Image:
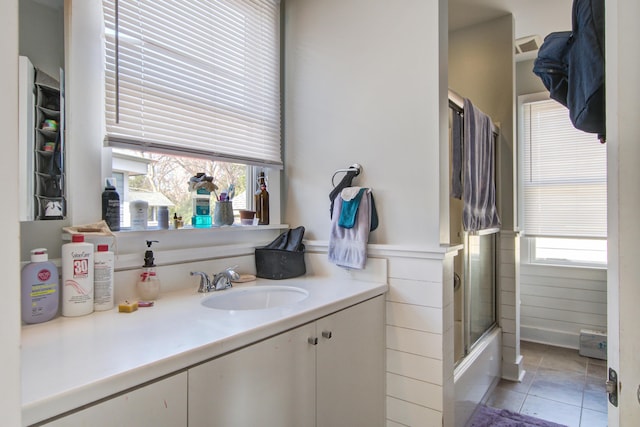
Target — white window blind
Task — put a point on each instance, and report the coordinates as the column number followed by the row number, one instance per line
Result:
column 194, row 78
column 564, row 175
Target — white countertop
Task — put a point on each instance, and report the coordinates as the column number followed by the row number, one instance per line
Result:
column 69, row 362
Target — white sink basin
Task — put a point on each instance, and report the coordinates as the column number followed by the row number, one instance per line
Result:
column 254, row 298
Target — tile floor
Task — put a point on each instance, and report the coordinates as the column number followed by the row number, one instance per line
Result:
column 559, row 386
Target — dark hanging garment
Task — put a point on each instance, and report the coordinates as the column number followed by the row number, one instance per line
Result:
column 551, row 64
column 586, row 100
column 571, row 66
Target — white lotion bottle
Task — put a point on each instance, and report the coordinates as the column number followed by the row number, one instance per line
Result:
column 103, row 263
column 77, row 277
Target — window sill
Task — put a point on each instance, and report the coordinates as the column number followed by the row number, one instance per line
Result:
column 568, row 266
column 213, row 229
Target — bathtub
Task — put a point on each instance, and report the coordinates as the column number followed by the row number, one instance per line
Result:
column 476, row 375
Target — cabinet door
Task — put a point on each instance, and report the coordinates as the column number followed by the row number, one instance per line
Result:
column 350, row 366
column 160, row 404
column 268, row 384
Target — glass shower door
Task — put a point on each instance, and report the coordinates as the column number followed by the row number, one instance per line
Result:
column 480, row 285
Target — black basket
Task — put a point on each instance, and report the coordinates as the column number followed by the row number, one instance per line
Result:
column 279, row 264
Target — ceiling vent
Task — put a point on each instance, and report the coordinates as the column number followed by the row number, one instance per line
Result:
column 528, row 44
column 527, row 47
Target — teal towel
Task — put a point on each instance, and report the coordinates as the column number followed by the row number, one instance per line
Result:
column 349, row 210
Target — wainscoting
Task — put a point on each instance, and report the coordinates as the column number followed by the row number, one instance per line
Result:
column 557, row 302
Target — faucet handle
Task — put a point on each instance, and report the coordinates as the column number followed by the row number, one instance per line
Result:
column 231, row 273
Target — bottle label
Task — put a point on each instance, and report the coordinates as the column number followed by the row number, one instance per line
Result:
column 80, row 268
column 42, row 289
column 102, row 282
column 201, row 207
column 40, row 294
column 147, row 275
column 44, row 275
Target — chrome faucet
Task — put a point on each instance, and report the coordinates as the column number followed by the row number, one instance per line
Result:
column 205, row 283
column 220, row 281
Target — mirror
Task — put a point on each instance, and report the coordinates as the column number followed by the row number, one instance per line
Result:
column 41, row 43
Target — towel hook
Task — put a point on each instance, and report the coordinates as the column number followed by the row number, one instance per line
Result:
column 357, row 168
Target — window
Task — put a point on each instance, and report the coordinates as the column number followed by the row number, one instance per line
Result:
column 191, row 87
column 197, row 78
column 563, row 186
column 162, row 180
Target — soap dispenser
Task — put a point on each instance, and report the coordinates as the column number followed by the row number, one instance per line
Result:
column 148, row 284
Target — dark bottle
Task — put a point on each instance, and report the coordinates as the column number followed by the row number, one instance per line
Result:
column 111, row 205
column 261, row 199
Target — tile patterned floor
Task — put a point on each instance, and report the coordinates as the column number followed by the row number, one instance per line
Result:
column 559, row 386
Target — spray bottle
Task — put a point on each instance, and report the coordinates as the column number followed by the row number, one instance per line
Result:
column 148, row 284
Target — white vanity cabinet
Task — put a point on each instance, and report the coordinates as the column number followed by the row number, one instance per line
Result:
column 350, row 366
column 268, row 384
column 328, row 373
column 159, row 404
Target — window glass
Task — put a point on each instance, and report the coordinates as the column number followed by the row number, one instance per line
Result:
column 574, row 251
column 162, row 180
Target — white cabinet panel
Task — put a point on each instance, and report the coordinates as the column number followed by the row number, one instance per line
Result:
column 350, row 366
column 160, row 404
column 286, row 381
column 268, row 384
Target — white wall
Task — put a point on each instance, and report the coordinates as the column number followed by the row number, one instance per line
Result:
column 364, row 87
column 42, row 35
column 365, row 82
column 85, row 110
column 9, row 259
column 526, row 81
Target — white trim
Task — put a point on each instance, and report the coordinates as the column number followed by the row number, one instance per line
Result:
column 400, row 251
column 550, row 337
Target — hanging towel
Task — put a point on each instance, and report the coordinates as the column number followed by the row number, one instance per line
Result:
column 479, row 189
column 350, row 202
column 348, row 246
column 350, row 192
column 456, row 155
column 344, row 183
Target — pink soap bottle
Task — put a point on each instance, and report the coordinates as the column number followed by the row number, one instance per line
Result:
column 40, row 288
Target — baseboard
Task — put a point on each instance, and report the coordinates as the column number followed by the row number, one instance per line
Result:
column 550, row 337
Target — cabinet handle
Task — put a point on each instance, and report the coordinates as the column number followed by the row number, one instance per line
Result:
column 312, row 340
column 326, row 334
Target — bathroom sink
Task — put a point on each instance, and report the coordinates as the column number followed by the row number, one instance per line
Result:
column 254, row 298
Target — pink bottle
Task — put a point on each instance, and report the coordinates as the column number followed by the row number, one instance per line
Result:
column 40, row 288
